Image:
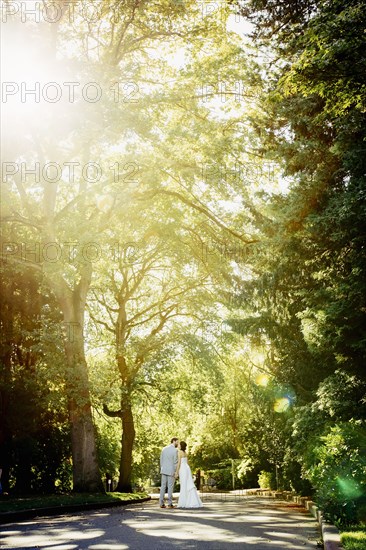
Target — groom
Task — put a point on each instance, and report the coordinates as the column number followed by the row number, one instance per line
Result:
column 168, row 464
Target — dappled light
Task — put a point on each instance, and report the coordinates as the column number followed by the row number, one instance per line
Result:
column 60, row 535
column 221, row 525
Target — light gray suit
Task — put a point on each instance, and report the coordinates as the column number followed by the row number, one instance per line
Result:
column 168, row 464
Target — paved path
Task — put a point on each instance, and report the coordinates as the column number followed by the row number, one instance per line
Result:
column 250, row 523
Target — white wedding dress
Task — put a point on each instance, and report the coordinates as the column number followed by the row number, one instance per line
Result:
column 188, row 496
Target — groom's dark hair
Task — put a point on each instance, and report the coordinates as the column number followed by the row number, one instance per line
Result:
column 174, row 439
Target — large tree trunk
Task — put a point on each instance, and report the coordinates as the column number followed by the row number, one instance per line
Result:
column 128, row 438
column 86, row 475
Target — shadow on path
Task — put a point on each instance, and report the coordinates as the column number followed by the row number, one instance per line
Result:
column 254, row 523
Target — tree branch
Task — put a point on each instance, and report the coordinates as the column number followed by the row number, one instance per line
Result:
column 112, row 414
column 203, row 210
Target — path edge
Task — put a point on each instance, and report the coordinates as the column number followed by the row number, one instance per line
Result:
column 330, row 534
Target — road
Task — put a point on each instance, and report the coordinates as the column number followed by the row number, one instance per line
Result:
column 250, row 523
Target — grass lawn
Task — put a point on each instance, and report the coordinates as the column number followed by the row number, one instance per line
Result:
column 12, row 504
column 354, row 538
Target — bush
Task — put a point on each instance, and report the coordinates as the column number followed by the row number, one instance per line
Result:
column 41, row 463
column 293, row 479
column 267, row 480
column 339, row 474
column 223, row 478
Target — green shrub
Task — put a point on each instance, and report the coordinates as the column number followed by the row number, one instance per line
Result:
column 267, row 480
column 339, row 473
column 223, row 478
column 293, row 479
column 354, row 539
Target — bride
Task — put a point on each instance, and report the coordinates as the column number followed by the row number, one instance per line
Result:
column 188, row 496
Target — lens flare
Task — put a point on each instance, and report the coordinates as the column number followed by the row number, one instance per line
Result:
column 262, row 380
column 282, row 404
column 349, row 487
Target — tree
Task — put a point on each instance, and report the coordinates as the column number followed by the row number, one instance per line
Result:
column 69, row 206
column 63, row 209
column 34, row 435
column 319, row 131
column 158, row 286
column 309, row 297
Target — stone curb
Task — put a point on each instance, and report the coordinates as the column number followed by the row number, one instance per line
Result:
column 330, row 534
column 10, row 517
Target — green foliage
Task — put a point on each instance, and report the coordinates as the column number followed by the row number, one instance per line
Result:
column 34, row 436
column 223, row 478
column 292, row 476
column 354, row 539
column 109, row 446
column 267, row 480
column 311, row 303
column 339, row 472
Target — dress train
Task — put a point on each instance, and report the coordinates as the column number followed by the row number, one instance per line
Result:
column 188, row 496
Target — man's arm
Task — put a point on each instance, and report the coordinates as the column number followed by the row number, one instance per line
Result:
column 177, row 462
column 161, row 457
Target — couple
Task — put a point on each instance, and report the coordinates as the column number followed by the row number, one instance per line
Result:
column 174, row 463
